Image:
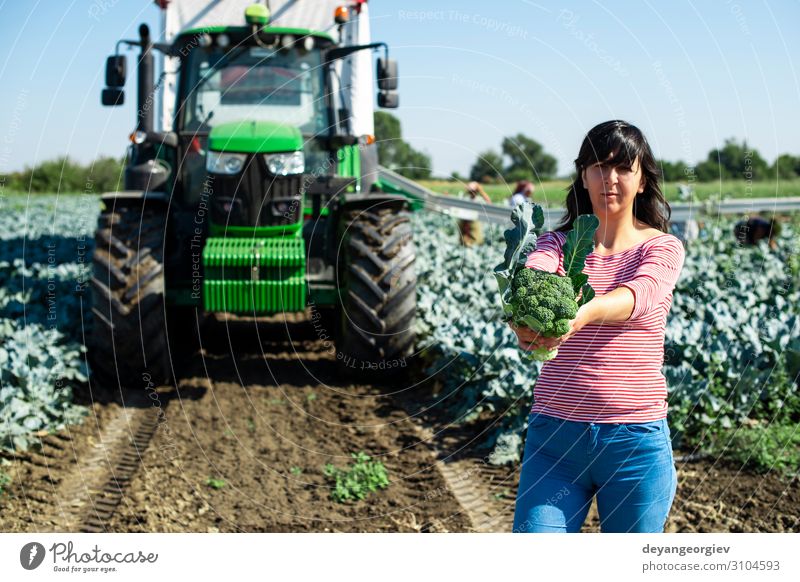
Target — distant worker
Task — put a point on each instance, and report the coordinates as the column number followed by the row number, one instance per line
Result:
column 474, row 189
column 523, row 192
column 470, row 230
column 749, row 232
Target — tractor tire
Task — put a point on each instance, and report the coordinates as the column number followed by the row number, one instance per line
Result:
column 377, row 283
column 128, row 346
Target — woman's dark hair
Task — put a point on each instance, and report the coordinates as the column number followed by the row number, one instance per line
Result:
column 624, row 143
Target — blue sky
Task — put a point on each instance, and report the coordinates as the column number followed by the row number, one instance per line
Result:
column 689, row 74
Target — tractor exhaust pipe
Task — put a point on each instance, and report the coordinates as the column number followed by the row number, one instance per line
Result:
column 144, row 172
column 145, row 115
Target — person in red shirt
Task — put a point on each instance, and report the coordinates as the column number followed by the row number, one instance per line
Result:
column 598, row 423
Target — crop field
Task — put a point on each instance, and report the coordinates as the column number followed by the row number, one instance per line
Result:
column 259, row 434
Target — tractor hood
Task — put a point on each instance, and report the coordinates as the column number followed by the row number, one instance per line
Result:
column 255, row 137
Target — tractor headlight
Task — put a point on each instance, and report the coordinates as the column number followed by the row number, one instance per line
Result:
column 224, row 163
column 286, row 164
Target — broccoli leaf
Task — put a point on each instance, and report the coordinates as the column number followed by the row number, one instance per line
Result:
column 520, row 242
column 578, row 282
column 533, row 323
column 579, row 243
column 587, row 295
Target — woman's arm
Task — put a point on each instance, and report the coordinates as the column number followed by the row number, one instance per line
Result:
column 654, row 279
column 616, row 305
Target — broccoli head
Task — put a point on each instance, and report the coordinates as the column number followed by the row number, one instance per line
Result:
column 543, row 301
column 524, row 279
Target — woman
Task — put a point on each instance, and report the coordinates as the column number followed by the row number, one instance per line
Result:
column 598, row 423
column 522, row 193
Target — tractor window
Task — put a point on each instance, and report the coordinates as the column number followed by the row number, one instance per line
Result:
column 257, row 84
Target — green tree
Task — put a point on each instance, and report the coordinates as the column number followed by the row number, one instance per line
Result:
column 396, row 154
column 487, row 168
column 528, row 160
column 58, row 175
column 66, row 175
column 105, row 174
column 387, row 133
column 673, row 171
column 785, row 167
column 708, row 171
column 733, row 161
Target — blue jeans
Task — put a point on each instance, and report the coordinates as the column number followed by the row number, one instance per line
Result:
column 628, row 466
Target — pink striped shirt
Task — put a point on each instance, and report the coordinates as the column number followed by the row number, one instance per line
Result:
column 611, row 372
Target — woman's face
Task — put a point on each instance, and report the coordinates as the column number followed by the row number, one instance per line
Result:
column 613, row 188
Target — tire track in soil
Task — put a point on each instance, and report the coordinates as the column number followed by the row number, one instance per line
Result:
column 262, row 423
column 72, row 478
column 110, row 468
column 76, row 479
column 89, row 493
column 486, row 492
column 713, row 495
column 472, row 484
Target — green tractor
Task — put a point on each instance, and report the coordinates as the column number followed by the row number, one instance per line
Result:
column 258, row 200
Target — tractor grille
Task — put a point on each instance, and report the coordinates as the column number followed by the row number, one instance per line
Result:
column 256, row 197
column 256, row 276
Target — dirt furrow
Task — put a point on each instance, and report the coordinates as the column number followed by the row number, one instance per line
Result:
column 241, row 442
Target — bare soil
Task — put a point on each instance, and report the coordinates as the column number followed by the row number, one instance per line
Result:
column 259, row 411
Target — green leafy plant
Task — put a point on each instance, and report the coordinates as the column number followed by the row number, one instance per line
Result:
column 5, row 480
column 363, row 477
column 504, row 494
column 761, row 447
column 295, row 470
column 215, row 483
column 544, row 302
column 44, row 245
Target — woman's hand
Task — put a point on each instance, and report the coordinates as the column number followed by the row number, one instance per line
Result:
column 530, row 340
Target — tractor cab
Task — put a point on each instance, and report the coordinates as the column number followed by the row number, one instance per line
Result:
column 257, row 106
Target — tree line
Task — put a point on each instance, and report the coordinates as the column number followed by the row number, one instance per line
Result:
column 105, row 174
column 520, row 158
column 67, row 175
column 733, row 161
column 523, row 158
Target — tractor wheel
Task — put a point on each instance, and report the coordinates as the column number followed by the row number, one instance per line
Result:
column 377, row 283
column 129, row 341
